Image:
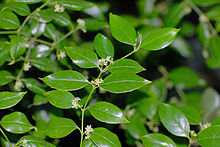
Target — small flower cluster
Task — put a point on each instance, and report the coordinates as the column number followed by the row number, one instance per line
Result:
column 75, row 103
column 105, row 62
column 61, row 55
column 58, row 8
column 18, row 85
column 88, row 129
column 81, row 25
column 27, row 66
column 206, row 125
column 96, row 82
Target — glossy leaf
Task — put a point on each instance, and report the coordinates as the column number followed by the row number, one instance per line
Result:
column 88, row 143
column 181, row 81
column 216, row 121
column 145, row 6
column 160, row 89
column 19, row 8
column 10, row 99
column 82, row 57
column 4, row 54
column 62, row 19
column 66, row 80
column 39, row 100
column 203, row 34
column 159, row 39
column 34, row 86
column 40, row 50
column 46, row 15
column 191, row 114
column 50, row 31
column 60, row 99
column 17, row 46
column 107, row 112
column 136, row 128
column 16, row 122
column 176, row 13
column 99, row 137
column 174, row 120
column 45, row 64
column 148, row 107
column 27, row 1
column 103, row 46
column 74, row 5
column 123, row 82
column 60, row 127
column 125, row 65
column 34, row 141
column 157, row 140
column 122, row 30
column 5, row 77
column 209, row 137
column 8, row 20
column 37, row 28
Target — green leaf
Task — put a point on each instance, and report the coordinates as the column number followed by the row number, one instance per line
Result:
column 157, row 140
column 108, row 113
column 45, row 64
column 209, row 137
column 209, row 101
column 40, row 50
column 176, row 13
column 159, row 39
column 27, row 1
column 174, row 120
column 60, row 99
column 60, row 127
column 6, row 77
column 39, row 100
column 206, row 2
column 216, row 121
column 34, row 86
column 136, row 128
column 8, row 20
column 145, row 7
column 4, row 54
column 93, row 24
column 50, row 31
column 103, row 137
column 148, row 107
column 46, row 15
column 37, row 28
column 10, row 99
column 75, row 5
column 181, row 46
column 103, row 46
column 62, row 19
column 33, row 141
column 180, row 80
column 19, row 8
column 82, row 57
column 66, row 80
column 203, row 34
column 125, row 65
column 88, row 143
column 214, row 60
column 17, row 46
column 122, row 30
column 16, row 122
column 214, row 13
column 191, row 114
column 159, row 88
column 122, row 82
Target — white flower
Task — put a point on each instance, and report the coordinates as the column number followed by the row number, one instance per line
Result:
column 81, row 24
column 58, row 8
column 27, row 66
column 206, row 125
column 75, row 103
column 97, row 82
column 61, row 55
column 88, row 129
column 18, row 85
column 105, row 62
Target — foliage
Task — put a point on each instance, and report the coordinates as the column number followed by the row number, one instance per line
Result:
column 54, row 82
